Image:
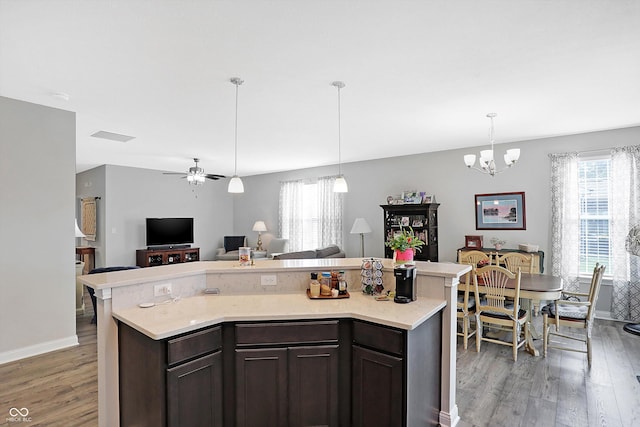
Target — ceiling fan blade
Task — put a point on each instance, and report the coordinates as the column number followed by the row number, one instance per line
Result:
column 173, row 173
column 214, row 176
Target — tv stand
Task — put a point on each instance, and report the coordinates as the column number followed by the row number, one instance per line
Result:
column 168, row 255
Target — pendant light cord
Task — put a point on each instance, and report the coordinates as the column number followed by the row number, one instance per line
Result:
column 339, row 85
column 235, row 166
column 339, row 136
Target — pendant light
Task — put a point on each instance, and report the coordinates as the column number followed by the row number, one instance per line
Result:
column 235, row 185
column 487, row 162
column 340, row 184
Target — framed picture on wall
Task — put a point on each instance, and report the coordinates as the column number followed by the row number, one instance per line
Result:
column 500, row 211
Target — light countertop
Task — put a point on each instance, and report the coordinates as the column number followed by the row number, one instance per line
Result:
column 164, row 272
column 173, row 318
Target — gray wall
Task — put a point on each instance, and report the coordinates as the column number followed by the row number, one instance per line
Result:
column 129, row 195
column 442, row 174
column 37, row 252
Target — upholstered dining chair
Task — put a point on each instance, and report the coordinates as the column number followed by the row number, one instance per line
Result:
column 513, row 261
column 495, row 309
column 466, row 307
column 574, row 310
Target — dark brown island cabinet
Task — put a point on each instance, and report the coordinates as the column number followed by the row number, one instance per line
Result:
column 332, row 372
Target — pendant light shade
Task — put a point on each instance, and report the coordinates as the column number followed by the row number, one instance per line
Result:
column 236, row 185
column 340, row 184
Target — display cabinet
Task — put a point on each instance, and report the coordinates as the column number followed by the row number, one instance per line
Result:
column 422, row 218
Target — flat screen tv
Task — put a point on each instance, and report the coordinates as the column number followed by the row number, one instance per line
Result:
column 169, row 231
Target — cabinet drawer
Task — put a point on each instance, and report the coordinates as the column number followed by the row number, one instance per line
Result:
column 379, row 337
column 192, row 345
column 286, row 333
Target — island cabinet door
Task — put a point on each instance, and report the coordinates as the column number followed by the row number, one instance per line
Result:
column 377, row 388
column 313, row 386
column 194, row 393
column 261, row 387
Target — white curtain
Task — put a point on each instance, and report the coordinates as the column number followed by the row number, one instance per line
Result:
column 565, row 219
column 291, row 213
column 625, row 212
column 330, row 215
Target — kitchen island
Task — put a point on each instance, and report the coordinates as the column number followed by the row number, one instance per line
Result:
column 271, row 295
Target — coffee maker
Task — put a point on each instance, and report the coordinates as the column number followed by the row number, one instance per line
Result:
column 405, row 284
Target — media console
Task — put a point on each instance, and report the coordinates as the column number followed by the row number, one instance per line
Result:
column 153, row 257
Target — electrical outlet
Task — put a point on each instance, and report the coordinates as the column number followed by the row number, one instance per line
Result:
column 268, row 280
column 162, row 289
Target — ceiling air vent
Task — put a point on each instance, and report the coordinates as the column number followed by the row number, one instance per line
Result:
column 112, row 136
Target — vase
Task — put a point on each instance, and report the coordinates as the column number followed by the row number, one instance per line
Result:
column 404, row 257
column 498, row 246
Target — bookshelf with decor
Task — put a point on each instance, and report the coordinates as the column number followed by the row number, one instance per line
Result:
column 422, row 218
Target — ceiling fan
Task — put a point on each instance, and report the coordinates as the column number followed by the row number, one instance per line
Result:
column 195, row 175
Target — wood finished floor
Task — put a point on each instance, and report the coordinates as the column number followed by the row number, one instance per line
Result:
column 559, row 390
column 61, row 388
column 58, row 388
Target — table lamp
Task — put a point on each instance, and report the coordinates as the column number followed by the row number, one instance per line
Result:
column 360, row 226
column 79, row 233
column 259, row 226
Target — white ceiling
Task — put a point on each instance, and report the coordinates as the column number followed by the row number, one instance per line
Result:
column 420, row 75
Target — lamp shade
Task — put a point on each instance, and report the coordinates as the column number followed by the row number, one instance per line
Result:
column 360, row 225
column 235, row 185
column 259, row 226
column 340, row 185
column 79, row 233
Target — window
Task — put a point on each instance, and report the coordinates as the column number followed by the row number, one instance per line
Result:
column 310, row 214
column 310, row 217
column 594, row 184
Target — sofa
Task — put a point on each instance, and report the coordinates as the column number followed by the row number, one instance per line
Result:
column 230, row 251
column 331, row 251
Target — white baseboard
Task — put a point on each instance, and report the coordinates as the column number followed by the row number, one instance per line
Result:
column 606, row 315
column 36, row 349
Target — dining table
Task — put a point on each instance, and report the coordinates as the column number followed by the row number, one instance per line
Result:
column 533, row 289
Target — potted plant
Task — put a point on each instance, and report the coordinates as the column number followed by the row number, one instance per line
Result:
column 497, row 243
column 404, row 245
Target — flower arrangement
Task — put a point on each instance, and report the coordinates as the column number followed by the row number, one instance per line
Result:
column 496, row 241
column 404, row 240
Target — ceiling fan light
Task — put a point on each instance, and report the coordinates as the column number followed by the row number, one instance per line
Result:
column 340, row 185
column 235, row 185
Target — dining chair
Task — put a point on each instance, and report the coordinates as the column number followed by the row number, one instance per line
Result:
column 514, row 260
column 474, row 257
column 574, row 310
column 466, row 307
column 495, row 309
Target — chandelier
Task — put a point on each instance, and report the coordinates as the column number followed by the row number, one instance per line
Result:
column 487, row 161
